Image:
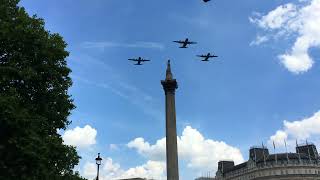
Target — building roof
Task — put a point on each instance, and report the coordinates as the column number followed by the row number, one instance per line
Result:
column 285, row 156
column 272, row 158
column 239, row 166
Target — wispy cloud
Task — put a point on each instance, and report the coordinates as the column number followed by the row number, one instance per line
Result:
column 118, row 85
column 133, row 95
column 200, row 21
column 100, row 85
column 259, row 40
column 110, row 44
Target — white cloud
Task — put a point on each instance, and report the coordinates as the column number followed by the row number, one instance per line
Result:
column 80, row 137
column 198, row 152
column 154, row 152
column 277, row 18
column 110, row 167
column 112, row 171
column 202, row 153
column 278, row 138
column 301, row 20
column 109, row 44
column 90, row 170
column 150, row 170
column 307, row 128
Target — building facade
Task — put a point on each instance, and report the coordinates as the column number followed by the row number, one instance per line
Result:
column 302, row 165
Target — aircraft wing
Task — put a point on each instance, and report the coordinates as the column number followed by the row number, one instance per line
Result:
column 202, row 56
column 144, row 60
column 191, row 43
column 133, row 59
column 213, row 56
column 179, row 42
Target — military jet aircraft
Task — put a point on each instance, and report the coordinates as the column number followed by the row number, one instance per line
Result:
column 206, row 1
column 206, row 57
column 139, row 60
column 185, row 43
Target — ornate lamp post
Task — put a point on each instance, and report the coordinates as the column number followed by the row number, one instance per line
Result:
column 98, row 162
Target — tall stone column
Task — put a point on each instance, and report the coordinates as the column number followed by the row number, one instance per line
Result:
column 170, row 85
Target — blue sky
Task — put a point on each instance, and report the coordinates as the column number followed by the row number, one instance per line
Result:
column 240, row 98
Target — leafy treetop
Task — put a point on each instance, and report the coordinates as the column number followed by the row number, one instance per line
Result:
column 34, row 99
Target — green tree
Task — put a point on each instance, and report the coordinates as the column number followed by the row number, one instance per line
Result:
column 34, row 99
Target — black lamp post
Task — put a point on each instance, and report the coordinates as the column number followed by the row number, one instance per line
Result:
column 98, row 162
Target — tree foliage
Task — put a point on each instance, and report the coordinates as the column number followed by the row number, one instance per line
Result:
column 34, row 99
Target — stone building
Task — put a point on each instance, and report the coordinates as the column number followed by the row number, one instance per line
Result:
column 302, row 165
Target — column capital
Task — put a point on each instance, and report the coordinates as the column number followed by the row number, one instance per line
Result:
column 169, row 86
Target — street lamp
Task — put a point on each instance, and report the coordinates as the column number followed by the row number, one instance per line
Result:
column 98, row 162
